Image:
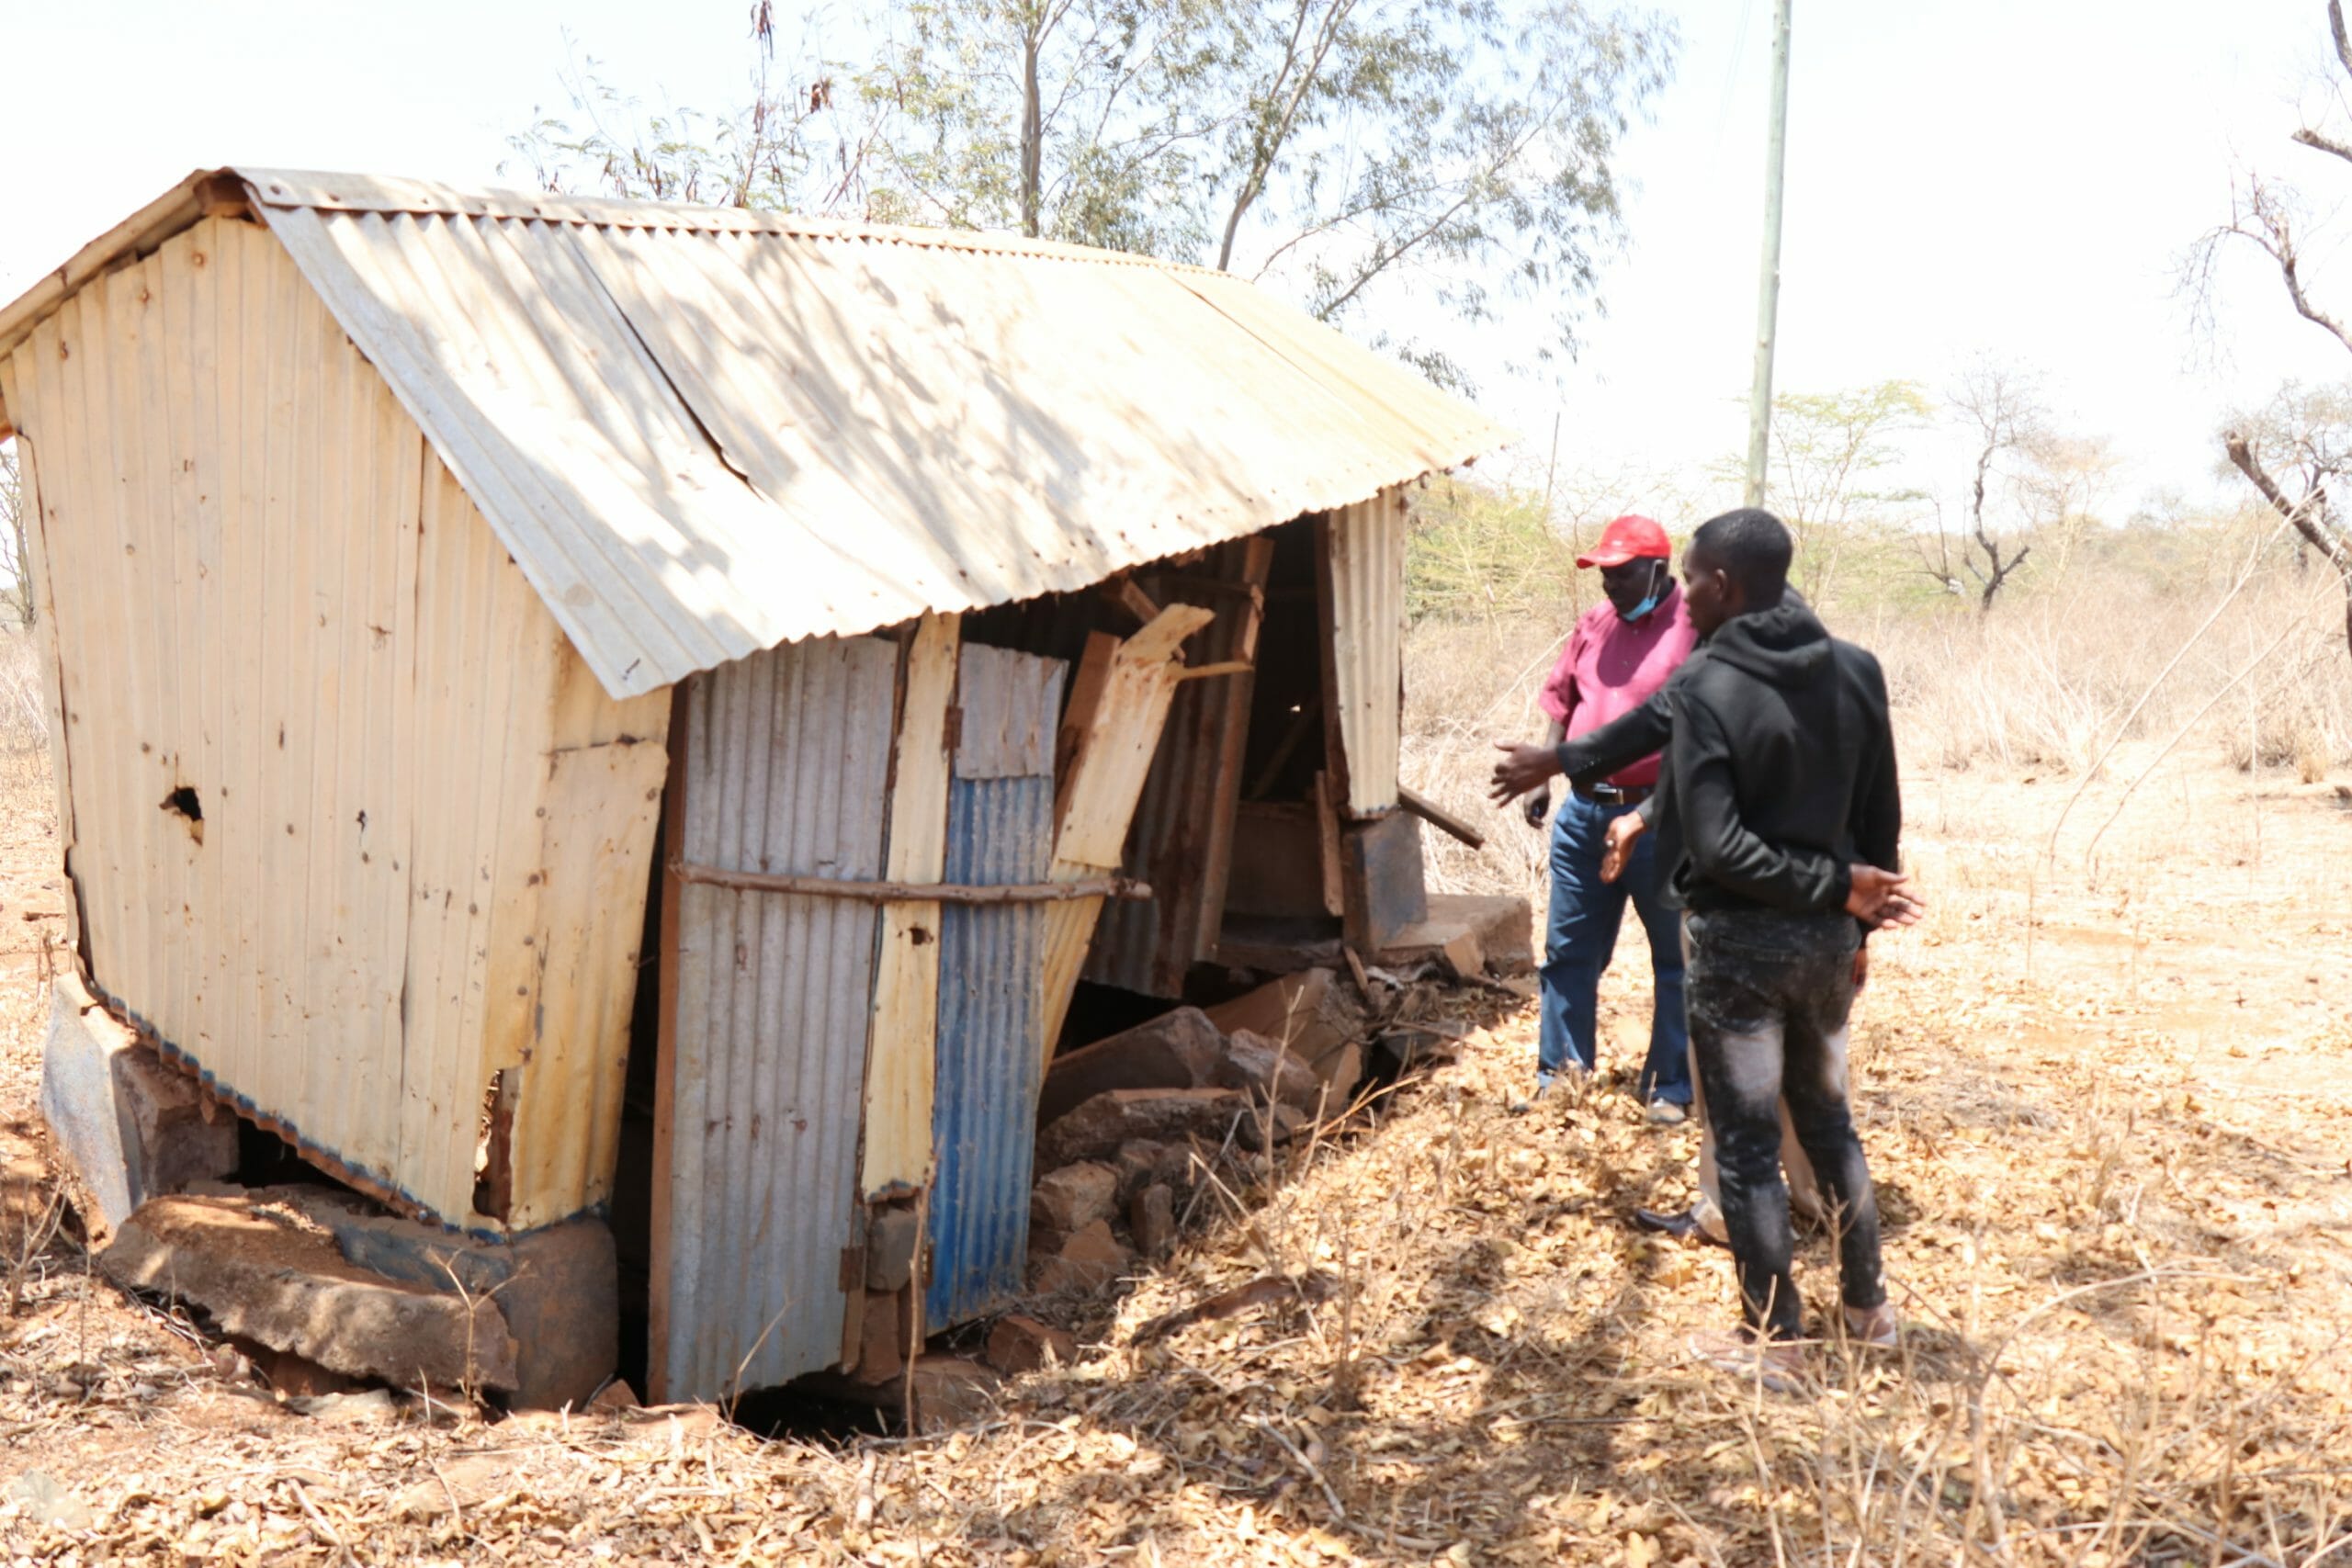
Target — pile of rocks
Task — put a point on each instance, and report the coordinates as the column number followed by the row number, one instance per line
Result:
column 1127, row 1124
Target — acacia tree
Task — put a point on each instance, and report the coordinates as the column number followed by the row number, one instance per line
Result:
column 2294, row 454
column 1997, row 408
column 1826, row 448
column 1326, row 146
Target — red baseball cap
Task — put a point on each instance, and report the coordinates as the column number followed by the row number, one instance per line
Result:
column 1631, row 537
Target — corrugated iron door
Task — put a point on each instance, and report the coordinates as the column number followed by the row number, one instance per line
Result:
column 783, row 770
column 992, row 984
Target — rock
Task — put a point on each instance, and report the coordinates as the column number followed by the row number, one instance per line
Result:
column 1465, row 955
column 1503, row 927
column 466, row 1482
column 1310, row 1012
column 1342, row 1071
column 1073, row 1197
column 558, row 1288
column 1139, row 1161
column 48, row 1502
column 890, row 1238
column 366, row 1409
column 268, row 1278
column 1273, row 1124
column 127, row 1127
column 1021, row 1344
column 951, row 1392
column 882, row 1346
column 1151, row 1219
column 1268, row 1071
column 1398, row 1051
column 615, row 1395
column 1099, row 1126
column 1177, row 1050
column 1087, row 1261
column 292, row 1375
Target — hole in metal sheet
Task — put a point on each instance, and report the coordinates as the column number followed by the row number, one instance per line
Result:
column 494, row 1148
column 183, row 802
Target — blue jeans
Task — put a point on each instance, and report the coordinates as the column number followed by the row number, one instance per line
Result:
column 1582, row 933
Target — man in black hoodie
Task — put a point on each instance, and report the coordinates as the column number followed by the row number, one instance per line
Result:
column 1779, row 812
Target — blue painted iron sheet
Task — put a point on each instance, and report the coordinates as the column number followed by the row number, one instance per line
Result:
column 991, row 991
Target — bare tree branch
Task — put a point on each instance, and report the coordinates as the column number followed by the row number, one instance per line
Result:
column 2306, row 516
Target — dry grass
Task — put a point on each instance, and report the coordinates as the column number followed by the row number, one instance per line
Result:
column 2104, row 1097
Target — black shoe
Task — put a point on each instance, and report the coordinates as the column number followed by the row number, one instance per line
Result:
column 1682, row 1226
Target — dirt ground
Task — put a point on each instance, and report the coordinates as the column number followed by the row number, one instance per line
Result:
column 2106, row 1096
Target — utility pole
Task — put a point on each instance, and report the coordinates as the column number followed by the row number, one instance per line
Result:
column 1767, row 293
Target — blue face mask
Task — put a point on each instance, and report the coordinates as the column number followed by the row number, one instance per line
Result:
column 1657, row 591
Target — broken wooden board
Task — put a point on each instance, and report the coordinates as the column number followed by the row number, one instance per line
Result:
column 900, row 1043
column 1110, row 759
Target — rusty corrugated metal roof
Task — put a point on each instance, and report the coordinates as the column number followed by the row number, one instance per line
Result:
column 703, row 432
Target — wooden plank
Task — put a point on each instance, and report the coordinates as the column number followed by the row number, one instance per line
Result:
column 1078, row 713
column 1111, row 758
column 1231, row 749
column 1438, row 817
column 901, row 1044
column 1327, row 829
column 1381, row 880
column 1223, row 666
column 667, row 978
column 1122, row 592
column 911, row 892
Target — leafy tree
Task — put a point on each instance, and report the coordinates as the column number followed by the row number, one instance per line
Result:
column 1327, row 147
column 1826, row 448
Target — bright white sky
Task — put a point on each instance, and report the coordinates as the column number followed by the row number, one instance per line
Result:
column 2018, row 177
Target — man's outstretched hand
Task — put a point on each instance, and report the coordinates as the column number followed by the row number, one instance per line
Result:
column 1624, row 832
column 1878, row 898
column 1525, row 766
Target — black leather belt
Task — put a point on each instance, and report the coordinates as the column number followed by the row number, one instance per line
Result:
column 1612, row 795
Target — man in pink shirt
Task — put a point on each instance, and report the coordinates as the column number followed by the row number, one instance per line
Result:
column 1620, row 653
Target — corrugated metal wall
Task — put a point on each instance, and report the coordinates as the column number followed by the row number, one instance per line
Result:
column 786, row 769
column 274, row 608
column 991, row 985
column 1367, row 597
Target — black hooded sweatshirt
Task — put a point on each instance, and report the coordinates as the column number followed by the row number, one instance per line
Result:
column 1782, row 770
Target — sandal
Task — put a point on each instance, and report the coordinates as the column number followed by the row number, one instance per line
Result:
column 1873, row 1328
column 1779, row 1367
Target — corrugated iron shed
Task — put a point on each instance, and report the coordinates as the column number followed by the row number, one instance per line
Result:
column 704, row 432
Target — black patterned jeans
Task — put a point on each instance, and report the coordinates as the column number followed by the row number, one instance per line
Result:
column 1769, row 995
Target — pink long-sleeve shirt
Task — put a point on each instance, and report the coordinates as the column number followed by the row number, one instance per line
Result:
column 1610, row 667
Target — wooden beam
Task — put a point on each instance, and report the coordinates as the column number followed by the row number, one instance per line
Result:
column 915, row 892
column 1226, row 667
column 902, row 1027
column 1124, row 592
column 1110, row 759
column 1438, row 817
